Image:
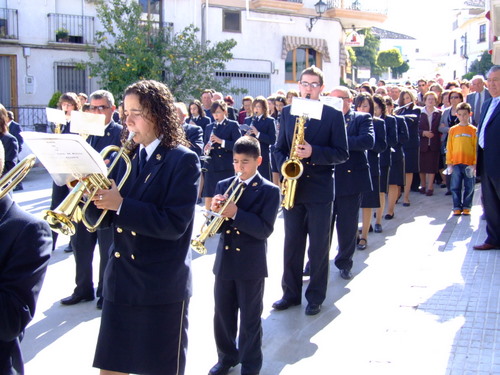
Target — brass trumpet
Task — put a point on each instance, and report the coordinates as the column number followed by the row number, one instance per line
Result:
column 61, row 218
column 16, row 175
column 215, row 220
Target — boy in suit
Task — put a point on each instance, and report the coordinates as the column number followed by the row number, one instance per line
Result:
column 240, row 265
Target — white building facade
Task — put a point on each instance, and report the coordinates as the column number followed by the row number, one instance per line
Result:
column 43, row 41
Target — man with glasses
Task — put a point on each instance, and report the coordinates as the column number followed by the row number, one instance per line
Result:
column 477, row 97
column 422, row 88
column 325, row 145
column 488, row 160
column 101, row 102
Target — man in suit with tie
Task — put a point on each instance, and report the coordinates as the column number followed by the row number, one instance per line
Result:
column 101, row 102
column 325, row 145
column 25, row 249
column 477, row 98
column 240, row 266
column 352, row 178
column 488, row 160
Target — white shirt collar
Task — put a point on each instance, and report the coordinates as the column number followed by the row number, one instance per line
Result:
column 248, row 180
column 150, row 148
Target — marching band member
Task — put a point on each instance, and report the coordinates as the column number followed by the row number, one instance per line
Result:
column 262, row 127
column 325, row 145
column 219, row 140
column 24, row 257
column 147, row 282
column 240, row 264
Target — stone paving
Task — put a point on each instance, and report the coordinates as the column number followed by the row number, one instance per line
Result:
column 421, row 302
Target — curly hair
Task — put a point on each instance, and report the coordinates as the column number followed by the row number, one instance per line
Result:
column 4, row 120
column 158, row 107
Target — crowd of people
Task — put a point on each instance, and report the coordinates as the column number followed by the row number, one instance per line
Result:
column 363, row 156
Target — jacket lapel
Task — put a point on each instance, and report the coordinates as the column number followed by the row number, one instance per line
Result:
column 251, row 191
column 147, row 175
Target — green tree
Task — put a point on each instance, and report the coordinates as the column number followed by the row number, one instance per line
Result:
column 390, row 58
column 131, row 48
column 480, row 66
column 400, row 70
column 367, row 55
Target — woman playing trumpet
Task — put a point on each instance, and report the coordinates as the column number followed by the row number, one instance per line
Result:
column 148, row 276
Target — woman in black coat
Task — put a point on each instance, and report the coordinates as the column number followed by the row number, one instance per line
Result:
column 411, row 112
column 147, row 282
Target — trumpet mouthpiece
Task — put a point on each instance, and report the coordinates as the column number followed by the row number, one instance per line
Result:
column 130, row 136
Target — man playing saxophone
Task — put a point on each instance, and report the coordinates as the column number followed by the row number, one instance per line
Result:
column 325, row 144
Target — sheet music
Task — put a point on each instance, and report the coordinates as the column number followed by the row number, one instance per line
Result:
column 87, row 123
column 55, row 115
column 332, row 101
column 66, row 157
column 306, row 107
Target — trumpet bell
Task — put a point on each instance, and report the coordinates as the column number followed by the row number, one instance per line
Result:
column 60, row 223
column 198, row 246
column 16, row 175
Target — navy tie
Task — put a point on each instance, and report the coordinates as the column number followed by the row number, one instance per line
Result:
column 142, row 159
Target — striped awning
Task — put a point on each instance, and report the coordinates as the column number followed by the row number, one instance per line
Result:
column 292, row 42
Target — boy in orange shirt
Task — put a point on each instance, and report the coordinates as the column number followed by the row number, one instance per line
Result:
column 461, row 160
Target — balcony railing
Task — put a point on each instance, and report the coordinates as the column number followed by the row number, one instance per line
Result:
column 67, row 28
column 356, row 5
column 8, row 24
column 167, row 28
column 31, row 118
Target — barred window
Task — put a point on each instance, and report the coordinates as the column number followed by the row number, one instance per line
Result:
column 70, row 78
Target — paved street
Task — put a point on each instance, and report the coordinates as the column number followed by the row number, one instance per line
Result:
column 421, row 302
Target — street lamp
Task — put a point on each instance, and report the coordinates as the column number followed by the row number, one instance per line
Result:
column 320, row 8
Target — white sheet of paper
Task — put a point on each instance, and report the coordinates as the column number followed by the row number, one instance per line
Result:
column 307, row 107
column 55, row 115
column 66, row 157
column 87, row 123
column 332, row 101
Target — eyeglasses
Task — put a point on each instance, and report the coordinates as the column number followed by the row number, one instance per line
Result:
column 98, row 107
column 314, row 85
column 454, row 97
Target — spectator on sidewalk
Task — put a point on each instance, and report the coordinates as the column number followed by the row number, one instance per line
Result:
column 461, row 160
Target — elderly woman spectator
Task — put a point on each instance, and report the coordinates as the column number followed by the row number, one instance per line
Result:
column 430, row 143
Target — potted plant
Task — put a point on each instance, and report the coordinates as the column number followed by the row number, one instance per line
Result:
column 62, row 35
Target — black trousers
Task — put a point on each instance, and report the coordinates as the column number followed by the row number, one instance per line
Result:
column 346, row 217
column 490, row 188
column 245, row 296
column 313, row 220
column 83, row 247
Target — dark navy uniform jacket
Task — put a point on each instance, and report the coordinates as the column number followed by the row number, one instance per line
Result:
column 222, row 157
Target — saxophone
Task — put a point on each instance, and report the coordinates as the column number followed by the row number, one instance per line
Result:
column 293, row 168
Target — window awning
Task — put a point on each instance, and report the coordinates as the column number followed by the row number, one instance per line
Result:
column 292, row 42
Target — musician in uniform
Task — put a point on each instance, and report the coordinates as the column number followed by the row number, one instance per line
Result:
column 147, row 282
column 262, row 127
column 24, row 257
column 240, row 264
column 219, row 140
column 101, row 102
column 325, row 145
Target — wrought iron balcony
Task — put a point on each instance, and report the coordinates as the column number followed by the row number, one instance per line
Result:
column 8, row 24
column 354, row 13
column 357, row 5
column 167, row 29
column 67, row 28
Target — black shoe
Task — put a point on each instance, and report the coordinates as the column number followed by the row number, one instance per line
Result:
column 362, row 246
column 283, row 304
column 406, row 204
column 313, row 309
column 75, row 298
column 346, row 274
column 19, row 187
column 68, row 249
column 220, row 369
column 370, row 229
column 389, row 217
column 378, row 228
column 99, row 303
column 447, row 193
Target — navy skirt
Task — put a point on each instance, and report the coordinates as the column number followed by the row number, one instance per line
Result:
column 412, row 158
column 397, row 173
column 384, row 178
column 371, row 199
column 143, row 339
